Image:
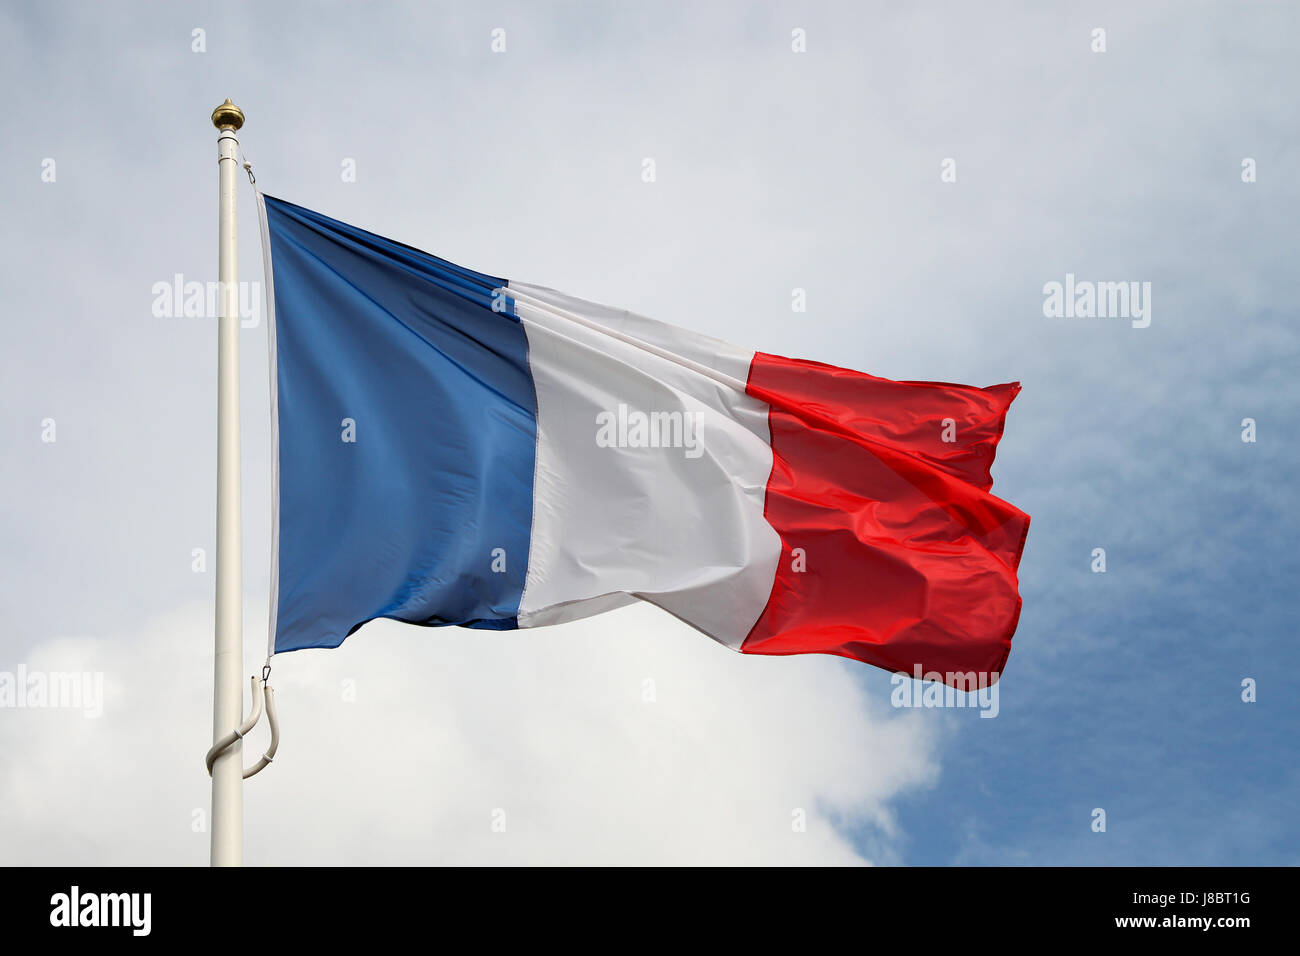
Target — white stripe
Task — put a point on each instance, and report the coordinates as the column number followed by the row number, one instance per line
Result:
column 269, row 280
column 680, row 526
column 681, row 345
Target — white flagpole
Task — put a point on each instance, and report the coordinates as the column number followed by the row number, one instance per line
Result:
column 227, row 683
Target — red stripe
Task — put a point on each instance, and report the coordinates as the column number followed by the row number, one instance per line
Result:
column 907, row 559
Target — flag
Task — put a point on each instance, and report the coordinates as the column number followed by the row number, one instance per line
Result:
column 454, row 448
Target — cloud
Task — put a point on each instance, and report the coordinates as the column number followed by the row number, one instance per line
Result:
column 627, row 738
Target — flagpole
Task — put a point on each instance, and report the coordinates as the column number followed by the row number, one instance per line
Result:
column 228, row 658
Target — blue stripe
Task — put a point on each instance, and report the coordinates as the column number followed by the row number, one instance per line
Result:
column 407, row 521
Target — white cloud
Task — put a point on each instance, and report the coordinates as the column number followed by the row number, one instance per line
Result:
column 447, row 726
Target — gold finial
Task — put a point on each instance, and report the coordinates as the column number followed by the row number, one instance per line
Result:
column 227, row 115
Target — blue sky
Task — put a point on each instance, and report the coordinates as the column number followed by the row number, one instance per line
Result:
column 776, row 170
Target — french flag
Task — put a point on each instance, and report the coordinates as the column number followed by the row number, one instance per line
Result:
column 454, row 448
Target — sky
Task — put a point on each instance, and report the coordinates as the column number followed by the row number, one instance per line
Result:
column 922, row 172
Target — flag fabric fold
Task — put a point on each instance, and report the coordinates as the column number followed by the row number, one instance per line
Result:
column 454, row 448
